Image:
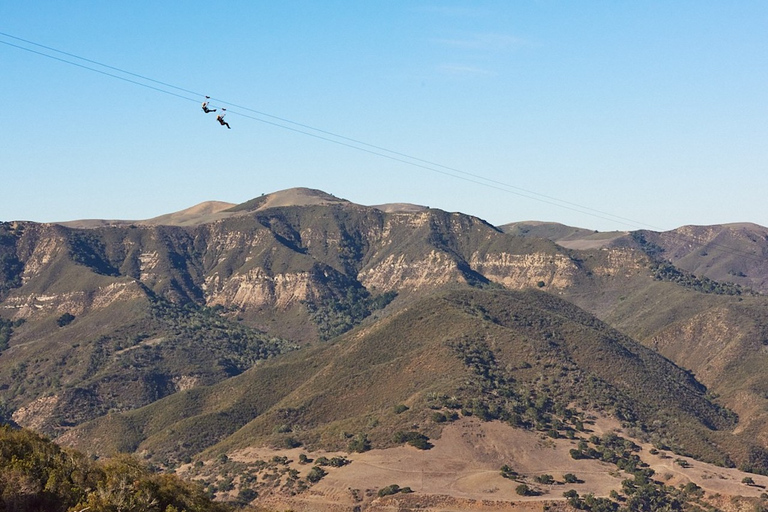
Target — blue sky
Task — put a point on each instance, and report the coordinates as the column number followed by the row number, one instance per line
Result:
column 605, row 115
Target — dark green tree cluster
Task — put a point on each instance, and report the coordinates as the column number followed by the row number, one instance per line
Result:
column 496, row 395
column 335, row 315
column 65, row 319
column 316, row 474
column 757, row 461
column 651, row 249
column 613, row 449
column 11, row 267
column 508, row 472
column 393, row 489
column 524, row 490
column 665, row 271
column 257, row 478
column 334, row 462
column 359, row 444
column 590, row 502
column 36, row 474
column 414, row 439
column 232, row 345
column 6, row 329
column 645, row 494
column 87, row 249
column 642, row 494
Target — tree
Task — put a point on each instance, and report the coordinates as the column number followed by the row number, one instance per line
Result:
column 246, row 496
column 389, row 490
column 439, row 417
column 415, row 439
column 360, row 443
column 570, row 478
column 508, row 472
column 316, row 474
column 65, row 319
column 545, row 479
column 523, row 490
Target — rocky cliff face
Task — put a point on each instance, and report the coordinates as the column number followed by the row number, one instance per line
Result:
column 278, row 258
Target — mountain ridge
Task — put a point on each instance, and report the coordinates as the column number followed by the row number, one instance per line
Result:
column 158, row 337
column 211, row 211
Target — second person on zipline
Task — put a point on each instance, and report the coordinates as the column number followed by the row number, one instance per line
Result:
column 220, row 118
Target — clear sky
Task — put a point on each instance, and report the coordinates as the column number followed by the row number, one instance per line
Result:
column 575, row 112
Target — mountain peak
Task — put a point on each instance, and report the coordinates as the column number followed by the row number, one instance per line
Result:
column 299, row 196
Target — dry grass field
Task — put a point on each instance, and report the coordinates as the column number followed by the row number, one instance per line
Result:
column 462, row 472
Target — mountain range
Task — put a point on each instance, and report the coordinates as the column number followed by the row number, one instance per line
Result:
column 299, row 319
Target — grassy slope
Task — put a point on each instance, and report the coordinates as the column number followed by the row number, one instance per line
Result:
column 536, row 349
column 720, row 338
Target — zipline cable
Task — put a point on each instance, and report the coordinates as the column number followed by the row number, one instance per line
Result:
column 326, row 132
column 356, row 144
column 381, row 151
column 97, row 63
column 98, row 71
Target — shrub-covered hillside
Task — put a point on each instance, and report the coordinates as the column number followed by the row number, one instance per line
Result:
column 38, row 475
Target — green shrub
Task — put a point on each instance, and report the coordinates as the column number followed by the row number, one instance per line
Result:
column 545, row 479
column 316, row 474
column 359, row 444
column 415, row 439
column 508, row 472
column 246, row 496
column 439, row 417
column 338, row 462
column 65, row 319
column 389, row 490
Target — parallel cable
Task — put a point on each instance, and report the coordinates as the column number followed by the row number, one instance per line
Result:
column 97, row 71
column 359, row 145
column 614, row 218
column 396, row 159
column 379, row 150
column 97, row 63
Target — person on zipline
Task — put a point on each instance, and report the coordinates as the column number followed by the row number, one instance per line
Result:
column 205, row 106
column 220, row 118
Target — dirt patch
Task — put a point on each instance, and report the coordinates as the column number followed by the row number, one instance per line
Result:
column 589, row 243
column 462, row 472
